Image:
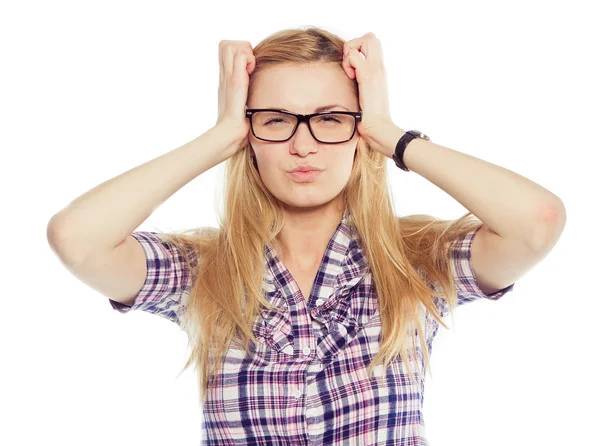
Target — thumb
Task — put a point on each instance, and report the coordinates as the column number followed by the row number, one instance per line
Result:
column 354, row 62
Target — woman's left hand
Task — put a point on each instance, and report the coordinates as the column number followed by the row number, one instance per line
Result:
column 369, row 72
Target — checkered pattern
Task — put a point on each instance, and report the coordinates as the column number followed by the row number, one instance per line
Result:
column 306, row 381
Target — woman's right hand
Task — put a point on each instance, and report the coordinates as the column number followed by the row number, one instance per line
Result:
column 237, row 62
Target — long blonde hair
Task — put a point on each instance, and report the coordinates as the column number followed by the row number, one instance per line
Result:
column 405, row 254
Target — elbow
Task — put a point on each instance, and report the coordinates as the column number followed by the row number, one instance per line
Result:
column 552, row 219
column 56, row 236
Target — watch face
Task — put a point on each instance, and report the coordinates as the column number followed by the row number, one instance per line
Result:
column 418, row 134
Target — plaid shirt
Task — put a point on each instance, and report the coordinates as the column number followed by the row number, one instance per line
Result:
column 306, row 381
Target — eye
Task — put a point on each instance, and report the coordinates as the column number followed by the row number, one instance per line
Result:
column 274, row 120
column 330, row 119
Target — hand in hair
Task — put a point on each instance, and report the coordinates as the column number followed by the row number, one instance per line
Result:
column 363, row 61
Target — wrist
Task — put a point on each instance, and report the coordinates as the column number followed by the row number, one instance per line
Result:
column 386, row 138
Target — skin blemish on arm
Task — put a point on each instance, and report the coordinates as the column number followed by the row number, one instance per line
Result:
column 549, row 213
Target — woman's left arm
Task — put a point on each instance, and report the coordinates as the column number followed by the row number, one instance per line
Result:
column 511, row 205
column 519, row 211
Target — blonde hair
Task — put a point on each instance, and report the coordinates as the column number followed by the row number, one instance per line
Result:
column 405, row 254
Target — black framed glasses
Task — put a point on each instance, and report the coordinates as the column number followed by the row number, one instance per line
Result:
column 330, row 127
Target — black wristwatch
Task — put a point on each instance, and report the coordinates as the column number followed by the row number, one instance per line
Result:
column 401, row 146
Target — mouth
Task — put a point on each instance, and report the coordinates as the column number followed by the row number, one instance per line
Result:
column 304, row 176
column 305, row 169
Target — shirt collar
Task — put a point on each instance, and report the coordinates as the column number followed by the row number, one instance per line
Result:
column 343, row 266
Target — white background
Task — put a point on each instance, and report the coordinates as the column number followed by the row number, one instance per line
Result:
column 90, row 90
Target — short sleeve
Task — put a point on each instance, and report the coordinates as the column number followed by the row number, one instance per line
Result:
column 168, row 280
column 463, row 273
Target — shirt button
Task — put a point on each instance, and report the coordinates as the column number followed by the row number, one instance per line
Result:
column 306, row 351
column 298, row 393
column 320, row 302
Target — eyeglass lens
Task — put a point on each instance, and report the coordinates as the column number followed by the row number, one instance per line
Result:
column 276, row 126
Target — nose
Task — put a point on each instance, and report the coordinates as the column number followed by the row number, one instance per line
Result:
column 302, row 141
column 304, row 129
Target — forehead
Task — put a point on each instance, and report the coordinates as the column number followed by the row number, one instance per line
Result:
column 302, row 88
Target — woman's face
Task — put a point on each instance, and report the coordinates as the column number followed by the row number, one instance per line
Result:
column 302, row 89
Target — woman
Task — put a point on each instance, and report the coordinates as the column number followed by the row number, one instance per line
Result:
column 312, row 310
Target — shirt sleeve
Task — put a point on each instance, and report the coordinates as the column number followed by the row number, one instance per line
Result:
column 463, row 274
column 168, row 280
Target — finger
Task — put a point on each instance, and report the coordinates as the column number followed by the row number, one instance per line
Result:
column 251, row 64
column 349, row 64
column 368, row 44
column 355, row 62
column 346, row 65
column 250, row 58
column 228, row 56
column 360, row 43
column 239, row 60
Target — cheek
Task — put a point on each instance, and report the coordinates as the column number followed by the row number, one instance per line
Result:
column 267, row 160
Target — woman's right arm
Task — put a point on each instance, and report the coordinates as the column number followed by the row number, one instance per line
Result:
column 92, row 235
column 102, row 218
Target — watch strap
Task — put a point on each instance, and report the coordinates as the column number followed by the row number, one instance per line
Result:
column 401, row 147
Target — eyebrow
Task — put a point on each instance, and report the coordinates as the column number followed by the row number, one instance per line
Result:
column 317, row 110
